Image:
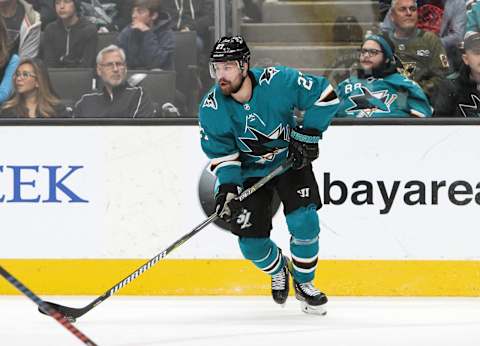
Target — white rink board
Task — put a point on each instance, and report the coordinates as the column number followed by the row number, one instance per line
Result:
column 141, row 183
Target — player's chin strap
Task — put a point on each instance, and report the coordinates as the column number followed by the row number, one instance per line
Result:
column 73, row 313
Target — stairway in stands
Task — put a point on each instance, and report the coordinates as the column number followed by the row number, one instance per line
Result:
column 301, row 33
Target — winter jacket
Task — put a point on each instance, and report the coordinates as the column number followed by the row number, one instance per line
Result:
column 424, row 59
column 29, row 38
column 149, row 49
column 126, row 102
column 458, row 96
column 74, row 46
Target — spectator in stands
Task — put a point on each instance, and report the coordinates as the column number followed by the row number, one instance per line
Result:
column 379, row 90
column 46, row 9
column 148, row 41
column 71, row 41
column 459, row 95
column 446, row 18
column 192, row 15
column 421, row 53
column 34, row 96
column 24, row 26
column 117, row 99
column 8, row 64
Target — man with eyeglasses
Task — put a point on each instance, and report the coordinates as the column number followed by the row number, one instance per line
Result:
column 377, row 90
column 117, row 99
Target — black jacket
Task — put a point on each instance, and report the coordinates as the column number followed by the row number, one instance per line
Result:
column 458, row 96
column 126, row 102
column 70, row 47
column 150, row 49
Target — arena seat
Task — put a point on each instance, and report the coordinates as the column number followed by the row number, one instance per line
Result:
column 71, row 83
column 160, row 85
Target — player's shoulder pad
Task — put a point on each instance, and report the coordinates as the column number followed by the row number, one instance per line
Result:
column 211, row 113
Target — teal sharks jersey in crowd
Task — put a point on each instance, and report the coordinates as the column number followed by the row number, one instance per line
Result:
column 393, row 96
column 250, row 139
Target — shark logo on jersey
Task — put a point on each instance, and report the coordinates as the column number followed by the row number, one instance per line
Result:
column 265, row 146
column 469, row 111
column 268, row 75
column 369, row 102
column 210, row 101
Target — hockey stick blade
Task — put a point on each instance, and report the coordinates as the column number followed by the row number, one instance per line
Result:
column 74, row 313
column 70, row 314
column 45, row 308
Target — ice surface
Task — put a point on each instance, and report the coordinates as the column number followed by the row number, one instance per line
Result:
column 246, row 321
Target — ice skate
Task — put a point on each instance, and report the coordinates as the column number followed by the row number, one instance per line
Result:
column 312, row 300
column 281, row 285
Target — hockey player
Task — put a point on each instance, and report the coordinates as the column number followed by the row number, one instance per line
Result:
column 378, row 90
column 248, row 128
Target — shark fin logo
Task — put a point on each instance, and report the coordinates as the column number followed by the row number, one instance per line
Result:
column 369, row 102
column 268, row 75
column 210, row 101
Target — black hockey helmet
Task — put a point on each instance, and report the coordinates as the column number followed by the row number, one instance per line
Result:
column 230, row 48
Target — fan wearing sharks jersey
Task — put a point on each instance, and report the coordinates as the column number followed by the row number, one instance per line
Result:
column 378, row 90
column 248, row 128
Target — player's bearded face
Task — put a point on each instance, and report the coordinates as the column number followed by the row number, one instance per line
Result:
column 229, row 77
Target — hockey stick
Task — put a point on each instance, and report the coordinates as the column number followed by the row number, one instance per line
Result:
column 73, row 313
column 46, row 307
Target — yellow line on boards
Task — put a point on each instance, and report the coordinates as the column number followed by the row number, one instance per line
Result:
column 240, row 277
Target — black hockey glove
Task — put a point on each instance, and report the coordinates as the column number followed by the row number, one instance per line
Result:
column 227, row 206
column 303, row 146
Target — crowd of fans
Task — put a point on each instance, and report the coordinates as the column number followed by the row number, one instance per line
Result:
column 422, row 60
column 43, row 34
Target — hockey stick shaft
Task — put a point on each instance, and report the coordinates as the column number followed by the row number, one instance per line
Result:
column 73, row 313
column 45, row 307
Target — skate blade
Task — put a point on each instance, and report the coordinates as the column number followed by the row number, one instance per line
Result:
column 313, row 310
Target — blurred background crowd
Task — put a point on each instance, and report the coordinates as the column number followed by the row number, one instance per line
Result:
column 149, row 58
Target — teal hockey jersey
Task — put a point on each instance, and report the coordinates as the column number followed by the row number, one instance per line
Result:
column 250, row 139
column 393, row 96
